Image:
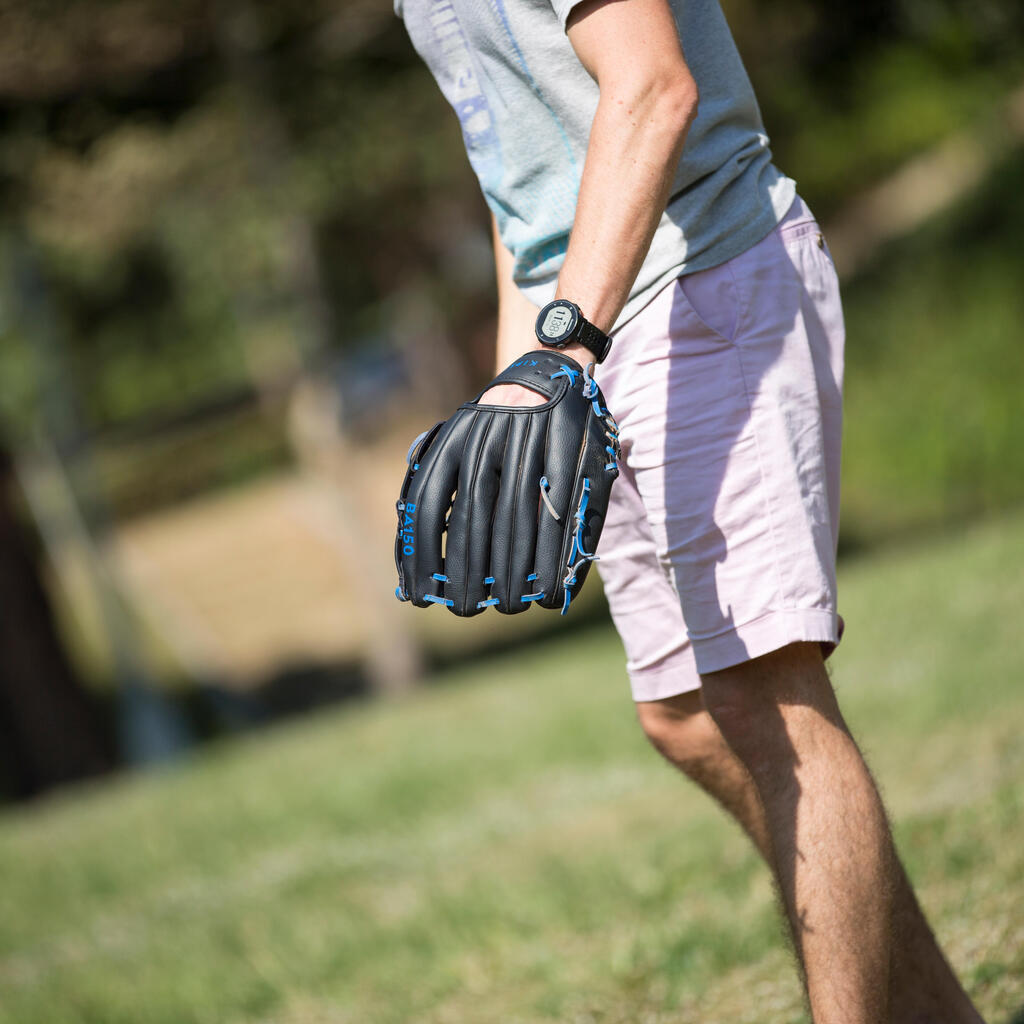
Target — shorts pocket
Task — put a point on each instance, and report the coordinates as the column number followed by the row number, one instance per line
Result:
column 712, row 297
column 806, row 233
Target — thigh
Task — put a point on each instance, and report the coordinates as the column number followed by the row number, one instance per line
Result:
column 728, row 394
column 643, row 603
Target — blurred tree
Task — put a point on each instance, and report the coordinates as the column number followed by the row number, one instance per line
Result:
column 127, row 150
column 850, row 90
column 50, row 729
column 391, row 652
column 224, row 197
column 130, row 145
column 59, row 484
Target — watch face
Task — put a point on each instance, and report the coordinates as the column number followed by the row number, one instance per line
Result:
column 558, row 322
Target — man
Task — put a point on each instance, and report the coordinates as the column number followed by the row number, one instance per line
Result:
column 619, row 146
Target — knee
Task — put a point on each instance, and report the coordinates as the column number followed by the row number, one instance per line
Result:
column 757, row 704
column 683, row 733
column 734, row 705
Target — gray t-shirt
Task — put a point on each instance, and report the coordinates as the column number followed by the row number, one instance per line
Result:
column 526, row 105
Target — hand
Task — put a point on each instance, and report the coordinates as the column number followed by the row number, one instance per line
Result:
column 520, row 397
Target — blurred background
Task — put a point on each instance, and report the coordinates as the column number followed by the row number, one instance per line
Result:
column 237, row 239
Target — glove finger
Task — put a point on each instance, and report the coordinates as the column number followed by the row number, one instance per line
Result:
column 579, row 489
column 561, row 473
column 598, row 470
column 601, row 467
column 513, row 545
column 430, row 497
column 405, row 539
column 467, row 554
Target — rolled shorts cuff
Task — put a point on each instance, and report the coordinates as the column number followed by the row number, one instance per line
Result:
column 768, row 633
column 670, row 677
column 680, row 671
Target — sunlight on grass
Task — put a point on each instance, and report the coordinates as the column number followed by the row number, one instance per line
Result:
column 505, row 847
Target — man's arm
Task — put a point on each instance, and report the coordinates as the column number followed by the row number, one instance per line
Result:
column 648, row 99
column 516, row 313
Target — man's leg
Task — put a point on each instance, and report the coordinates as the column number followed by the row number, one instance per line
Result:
column 833, row 856
column 923, row 988
column 682, row 731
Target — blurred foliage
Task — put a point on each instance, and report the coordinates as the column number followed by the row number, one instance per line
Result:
column 218, row 195
column 849, row 90
column 160, row 159
column 935, row 365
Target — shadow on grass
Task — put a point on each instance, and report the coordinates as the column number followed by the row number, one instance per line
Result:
column 1016, row 1018
column 144, row 727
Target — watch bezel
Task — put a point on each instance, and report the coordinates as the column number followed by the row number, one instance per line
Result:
column 569, row 334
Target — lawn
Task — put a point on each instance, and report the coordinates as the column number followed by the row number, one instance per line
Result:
column 504, row 847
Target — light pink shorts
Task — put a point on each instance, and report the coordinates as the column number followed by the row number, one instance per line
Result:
column 720, row 541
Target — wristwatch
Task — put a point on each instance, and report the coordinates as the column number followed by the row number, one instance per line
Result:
column 561, row 323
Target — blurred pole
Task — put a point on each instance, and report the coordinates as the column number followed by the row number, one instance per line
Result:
column 392, row 653
column 338, row 508
column 50, row 728
column 59, row 483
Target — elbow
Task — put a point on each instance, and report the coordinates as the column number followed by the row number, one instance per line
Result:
column 661, row 102
column 664, row 102
column 679, row 99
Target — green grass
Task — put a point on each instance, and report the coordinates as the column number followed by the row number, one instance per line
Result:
column 505, row 847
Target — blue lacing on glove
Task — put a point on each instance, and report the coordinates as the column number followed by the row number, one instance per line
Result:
column 566, row 371
column 569, row 580
column 591, row 391
column 577, row 537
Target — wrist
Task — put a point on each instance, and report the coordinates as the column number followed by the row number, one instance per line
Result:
column 601, row 314
column 581, row 354
column 562, row 325
column 578, row 353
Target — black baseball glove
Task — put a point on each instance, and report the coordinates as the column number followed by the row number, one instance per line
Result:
column 504, row 505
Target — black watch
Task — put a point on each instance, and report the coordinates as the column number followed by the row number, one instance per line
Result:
column 561, row 323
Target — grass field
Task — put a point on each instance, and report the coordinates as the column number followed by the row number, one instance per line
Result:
column 503, row 847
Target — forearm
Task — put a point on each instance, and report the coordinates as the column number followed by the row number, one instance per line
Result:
column 516, row 313
column 517, row 316
column 635, row 145
column 647, row 102
column 634, row 149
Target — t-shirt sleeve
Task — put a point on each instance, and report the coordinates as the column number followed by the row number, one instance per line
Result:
column 563, row 8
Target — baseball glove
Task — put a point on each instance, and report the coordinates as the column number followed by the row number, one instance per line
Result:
column 503, row 506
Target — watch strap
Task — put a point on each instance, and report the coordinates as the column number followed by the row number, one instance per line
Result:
column 595, row 339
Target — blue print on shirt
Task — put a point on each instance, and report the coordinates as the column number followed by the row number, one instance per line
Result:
column 535, row 228
column 466, row 95
column 499, row 7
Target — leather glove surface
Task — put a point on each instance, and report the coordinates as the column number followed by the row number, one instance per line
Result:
column 503, row 506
